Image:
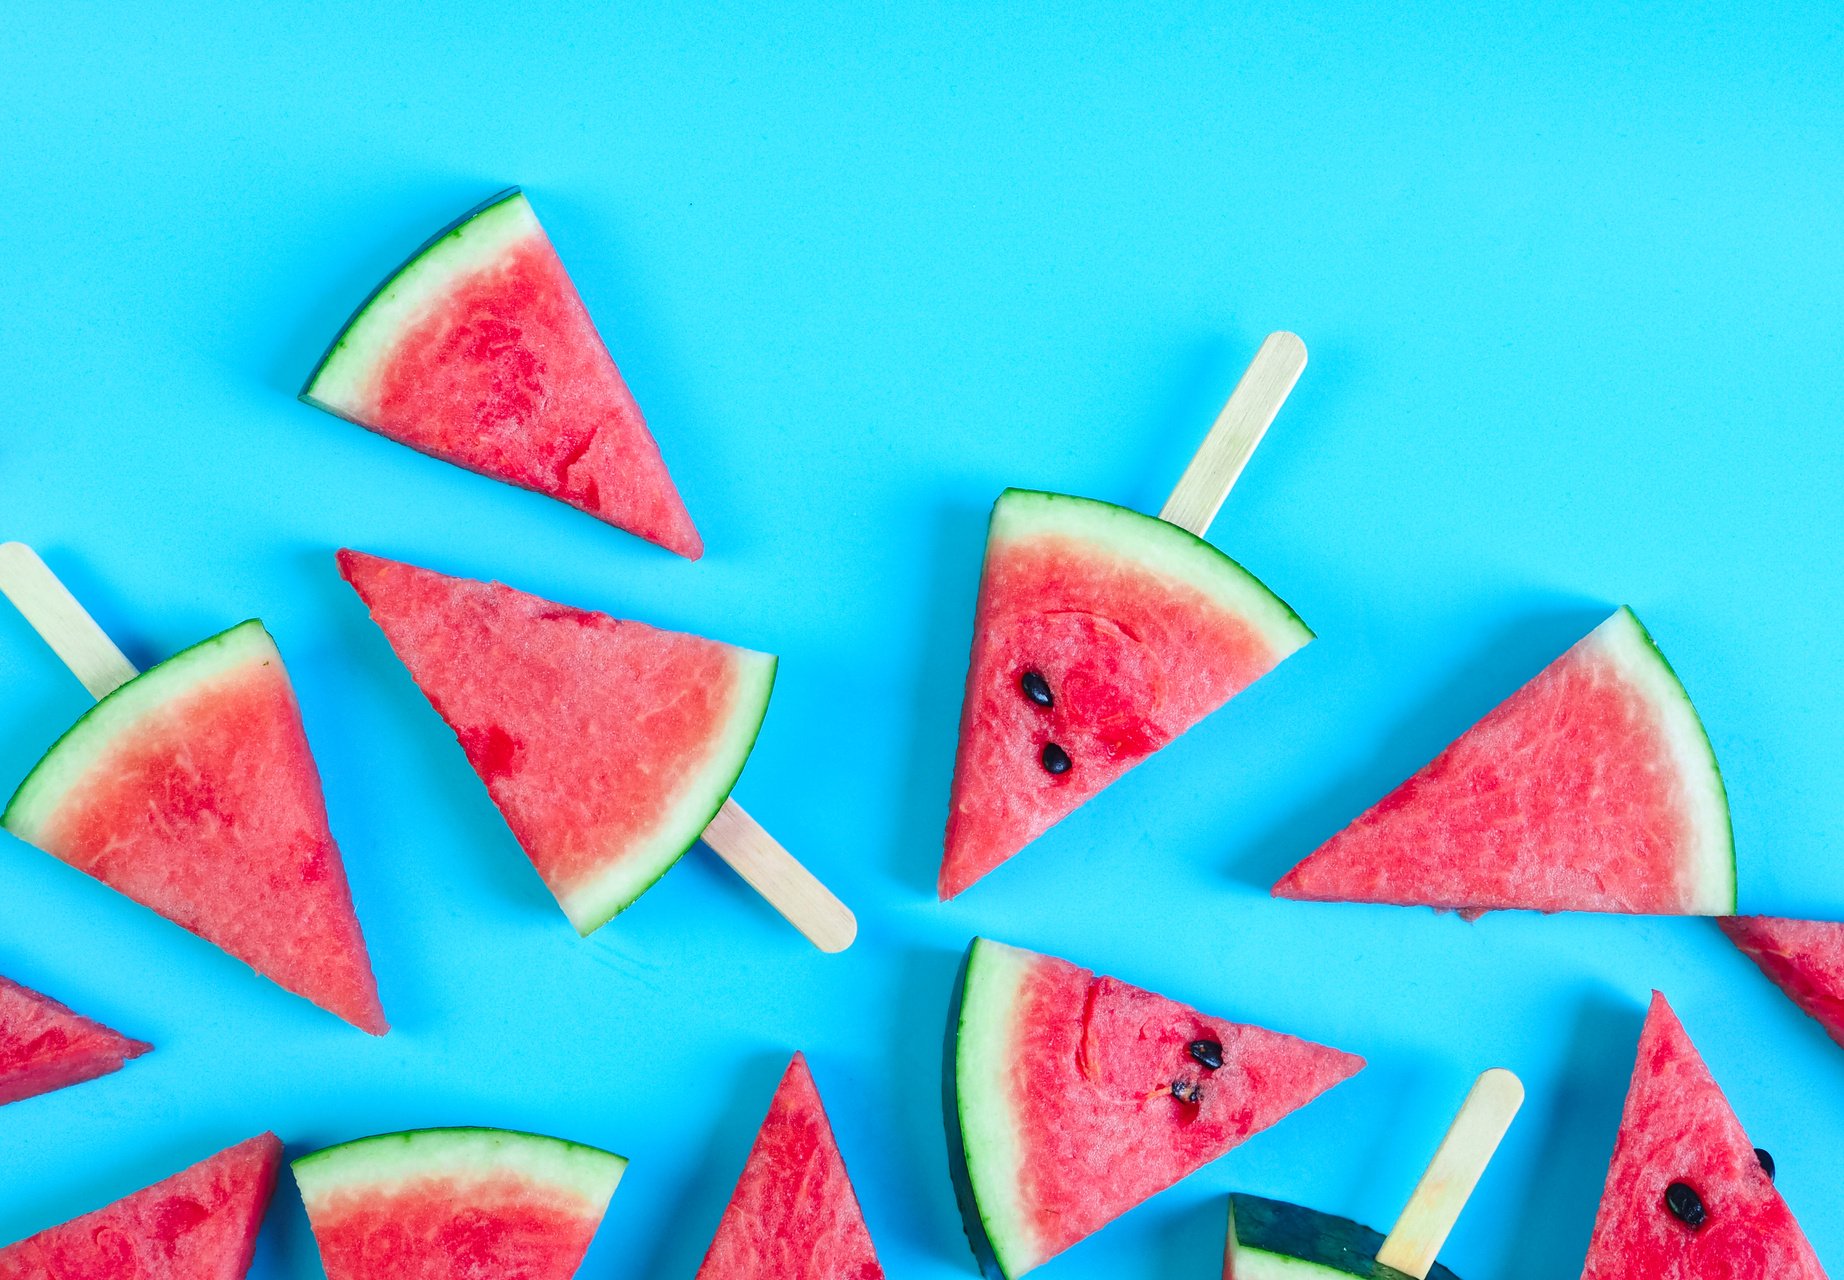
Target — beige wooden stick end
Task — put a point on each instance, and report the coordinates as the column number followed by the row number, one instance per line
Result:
column 774, row 873
column 1450, row 1177
column 1245, row 417
column 61, row 622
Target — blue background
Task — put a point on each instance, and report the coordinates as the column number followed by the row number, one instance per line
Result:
column 1571, row 278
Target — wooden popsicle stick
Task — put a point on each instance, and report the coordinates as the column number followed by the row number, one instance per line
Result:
column 1245, row 417
column 1450, row 1177
column 63, row 624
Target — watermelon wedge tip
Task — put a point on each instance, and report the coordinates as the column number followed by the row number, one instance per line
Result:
column 44, row 1046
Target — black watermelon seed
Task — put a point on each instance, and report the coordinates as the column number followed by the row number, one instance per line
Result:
column 1767, row 1161
column 1685, row 1205
column 1036, row 688
column 1187, row 1091
column 1055, row 759
column 1208, row 1053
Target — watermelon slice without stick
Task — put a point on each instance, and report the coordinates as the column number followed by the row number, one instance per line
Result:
column 1073, row 1097
column 479, row 351
column 1687, row 1195
column 1592, row 788
column 1805, row 958
column 199, row 1224
column 793, row 1214
column 456, row 1204
column 44, row 1046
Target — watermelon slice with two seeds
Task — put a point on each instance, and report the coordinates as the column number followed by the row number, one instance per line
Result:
column 199, row 1224
column 456, row 1204
column 1100, row 635
column 1805, row 958
column 479, row 351
column 44, row 1046
column 1592, row 788
column 1073, row 1097
column 608, row 745
column 793, row 1215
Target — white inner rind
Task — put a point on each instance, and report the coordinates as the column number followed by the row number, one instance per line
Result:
column 343, row 383
column 585, row 1174
column 1259, row 1264
column 983, row 1059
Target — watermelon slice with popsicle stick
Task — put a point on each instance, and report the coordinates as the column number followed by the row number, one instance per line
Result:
column 44, row 1046
column 1592, row 788
column 479, row 351
column 1805, row 958
column 1274, row 1240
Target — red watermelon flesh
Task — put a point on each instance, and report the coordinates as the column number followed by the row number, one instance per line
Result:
column 1077, row 1096
column 1137, row 630
column 1678, row 1128
column 199, row 1224
column 44, row 1046
column 480, row 352
column 191, row 790
column 793, row 1215
column 1592, row 788
column 608, row 745
column 1805, row 958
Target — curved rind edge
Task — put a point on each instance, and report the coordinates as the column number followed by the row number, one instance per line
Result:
column 368, row 1160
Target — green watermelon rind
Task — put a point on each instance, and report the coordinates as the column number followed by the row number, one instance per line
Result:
column 469, row 244
column 387, row 1160
column 72, row 757
column 1274, row 1240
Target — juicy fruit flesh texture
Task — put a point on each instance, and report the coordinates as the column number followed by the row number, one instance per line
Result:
column 1805, row 958
column 1677, row 1127
column 505, row 1227
column 199, row 1224
column 44, row 1046
column 794, row 1215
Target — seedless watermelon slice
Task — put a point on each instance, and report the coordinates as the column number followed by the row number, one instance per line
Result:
column 479, row 351
column 44, row 1046
column 1805, row 958
column 607, row 745
column 1073, row 1097
column 1687, row 1196
column 1273, row 1240
column 456, row 1204
column 199, row 1224
column 793, row 1214
column 191, row 789
column 1592, row 788
column 1100, row 635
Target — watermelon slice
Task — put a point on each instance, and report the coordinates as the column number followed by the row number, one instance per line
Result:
column 1272, row 1240
column 1100, row 635
column 199, row 1224
column 1592, row 788
column 456, row 1204
column 1805, row 958
column 1687, row 1196
column 1074, row 1097
column 793, row 1215
column 479, row 351
column 191, row 790
column 609, row 746
column 44, row 1046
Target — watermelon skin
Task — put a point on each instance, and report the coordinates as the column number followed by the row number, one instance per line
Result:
column 199, row 1224
column 1677, row 1127
column 44, row 1046
column 793, row 1215
column 191, row 789
column 1273, row 1240
column 608, row 745
column 1061, row 1114
column 1805, row 959
column 456, row 1204
column 479, row 351
column 1592, row 788
column 1140, row 630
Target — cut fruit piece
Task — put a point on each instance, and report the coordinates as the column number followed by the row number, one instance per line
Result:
column 1805, row 958
column 199, row 1224
column 793, row 1215
column 479, row 351
column 1592, row 788
column 607, row 745
column 1687, row 1194
column 44, row 1046
column 1071, row 1098
column 1272, row 1240
column 1100, row 635
column 191, row 789
column 456, row 1204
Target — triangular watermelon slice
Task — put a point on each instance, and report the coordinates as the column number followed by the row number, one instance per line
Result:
column 479, row 351
column 44, row 1046
column 1100, row 635
column 608, row 745
column 1074, row 1097
column 1805, row 958
column 1688, row 1197
column 1592, row 788
column 456, row 1204
column 191, row 790
column 793, row 1215
column 199, row 1224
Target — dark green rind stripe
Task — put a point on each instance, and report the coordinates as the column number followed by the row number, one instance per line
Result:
column 971, row 1222
column 1322, row 1239
column 411, row 1137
